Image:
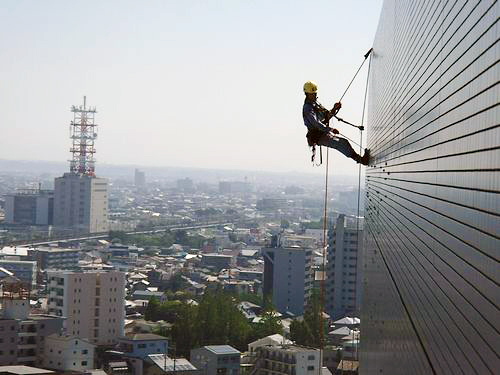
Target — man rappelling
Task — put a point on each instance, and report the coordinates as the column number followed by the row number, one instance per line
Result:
column 316, row 119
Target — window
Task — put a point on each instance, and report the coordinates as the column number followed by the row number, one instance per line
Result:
column 310, row 357
column 141, row 346
column 310, row 368
column 85, row 351
column 84, row 363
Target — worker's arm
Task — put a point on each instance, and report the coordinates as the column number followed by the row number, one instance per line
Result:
column 335, row 110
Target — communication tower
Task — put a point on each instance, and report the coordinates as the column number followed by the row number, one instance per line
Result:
column 83, row 132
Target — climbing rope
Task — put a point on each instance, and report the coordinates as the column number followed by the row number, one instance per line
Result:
column 325, row 213
column 325, row 244
column 352, row 80
column 360, row 150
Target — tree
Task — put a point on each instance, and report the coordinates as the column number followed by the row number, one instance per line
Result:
column 270, row 324
column 285, row 224
column 152, row 310
column 308, row 331
column 184, row 330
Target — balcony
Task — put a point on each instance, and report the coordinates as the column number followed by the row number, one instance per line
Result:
column 31, row 358
column 26, row 334
column 26, row 346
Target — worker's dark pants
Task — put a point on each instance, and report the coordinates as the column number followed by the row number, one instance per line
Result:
column 338, row 143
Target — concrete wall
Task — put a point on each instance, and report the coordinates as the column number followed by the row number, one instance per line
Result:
column 288, row 274
column 92, row 302
column 344, row 269
column 68, row 353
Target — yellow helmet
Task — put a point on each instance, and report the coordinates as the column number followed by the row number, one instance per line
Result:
column 310, row 87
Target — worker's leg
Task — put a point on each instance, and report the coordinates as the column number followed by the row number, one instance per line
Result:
column 340, row 144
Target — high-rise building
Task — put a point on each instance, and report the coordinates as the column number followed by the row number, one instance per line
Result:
column 432, row 229
column 288, row 277
column 139, row 178
column 81, row 202
column 93, row 303
column 81, row 198
column 343, row 272
column 30, row 207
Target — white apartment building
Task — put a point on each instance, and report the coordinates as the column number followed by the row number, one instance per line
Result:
column 81, row 202
column 68, row 353
column 343, row 272
column 287, row 360
column 93, row 303
column 288, row 277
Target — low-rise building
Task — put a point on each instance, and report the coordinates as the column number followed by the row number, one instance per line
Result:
column 68, row 353
column 24, row 270
column 55, row 258
column 140, row 345
column 287, row 360
column 216, row 360
column 23, row 335
column 217, row 261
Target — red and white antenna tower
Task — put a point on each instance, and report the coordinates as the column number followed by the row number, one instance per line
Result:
column 83, row 132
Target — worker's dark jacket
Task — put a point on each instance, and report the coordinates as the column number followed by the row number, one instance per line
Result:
column 314, row 115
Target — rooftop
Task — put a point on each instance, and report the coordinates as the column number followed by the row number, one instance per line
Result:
column 167, row 364
column 222, row 349
column 23, row 370
column 144, row 337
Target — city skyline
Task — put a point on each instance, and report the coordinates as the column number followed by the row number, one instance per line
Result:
column 228, row 75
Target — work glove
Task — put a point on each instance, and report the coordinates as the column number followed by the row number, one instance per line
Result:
column 336, row 108
column 335, row 131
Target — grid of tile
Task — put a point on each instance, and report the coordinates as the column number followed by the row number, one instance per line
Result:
column 431, row 282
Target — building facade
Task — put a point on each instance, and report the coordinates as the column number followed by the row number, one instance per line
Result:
column 23, row 335
column 81, row 202
column 93, row 303
column 68, row 353
column 288, row 277
column 344, row 269
column 30, row 207
column 432, row 228
column 140, row 345
column 55, row 258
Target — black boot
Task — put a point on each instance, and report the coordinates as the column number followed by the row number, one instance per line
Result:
column 366, row 157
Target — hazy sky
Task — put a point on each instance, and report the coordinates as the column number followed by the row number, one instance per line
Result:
column 214, row 84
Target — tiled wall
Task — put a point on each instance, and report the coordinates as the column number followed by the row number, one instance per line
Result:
column 431, row 301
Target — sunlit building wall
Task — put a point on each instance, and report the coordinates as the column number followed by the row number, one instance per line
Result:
column 431, row 297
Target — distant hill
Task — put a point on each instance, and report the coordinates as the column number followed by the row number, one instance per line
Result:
column 126, row 172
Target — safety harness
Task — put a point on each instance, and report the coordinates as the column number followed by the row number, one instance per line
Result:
column 313, row 134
